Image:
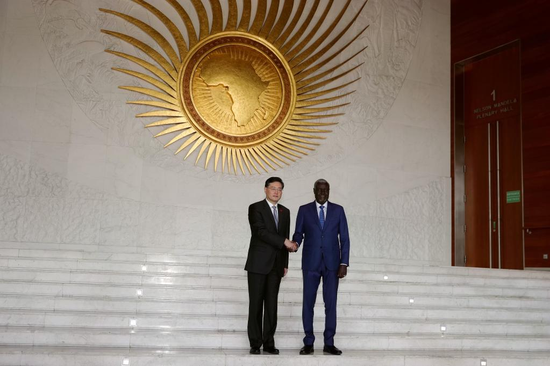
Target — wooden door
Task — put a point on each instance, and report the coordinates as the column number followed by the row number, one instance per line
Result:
column 492, row 161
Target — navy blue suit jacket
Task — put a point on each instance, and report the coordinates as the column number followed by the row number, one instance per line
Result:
column 330, row 244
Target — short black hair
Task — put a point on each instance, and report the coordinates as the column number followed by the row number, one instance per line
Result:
column 320, row 181
column 274, row 179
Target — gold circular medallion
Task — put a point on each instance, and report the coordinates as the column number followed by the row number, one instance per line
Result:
column 250, row 94
column 236, row 90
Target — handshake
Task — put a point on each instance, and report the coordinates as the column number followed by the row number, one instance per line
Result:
column 291, row 246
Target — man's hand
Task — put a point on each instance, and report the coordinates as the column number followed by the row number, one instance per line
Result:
column 342, row 271
column 291, row 246
column 285, row 272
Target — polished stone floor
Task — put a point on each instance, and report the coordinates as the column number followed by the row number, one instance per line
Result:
column 72, row 306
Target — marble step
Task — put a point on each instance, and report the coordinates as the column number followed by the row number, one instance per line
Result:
column 222, row 323
column 53, row 270
column 14, row 288
column 166, row 339
column 112, row 356
column 54, row 279
column 169, row 263
column 133, row 254
column 230, row 308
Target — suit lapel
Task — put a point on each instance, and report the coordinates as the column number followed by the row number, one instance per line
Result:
column 282, row 218
column 329, row 214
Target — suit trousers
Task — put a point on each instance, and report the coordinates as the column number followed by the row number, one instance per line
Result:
column 263, row 292
column 330, row 292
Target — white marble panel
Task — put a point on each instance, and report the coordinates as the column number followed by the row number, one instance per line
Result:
column 178, row 307
column 468, row 360
column 424, row 105
column 431, row 58
column 159, row 185
column 81, row 221
column 172, row 281
column 53, row 113
column 22, row 319
column 384, row 149
column 193, row 228
column 3, row 21
column 85, row 131
column 87, row 165
column 230, row 230
column 157, row 226
column 96, row 320
column 27, row 275
column 20, row 45
column 71, row 290
column 175, row 339
column 83, row 277
column 31, row 289
column 73, row 338
column 17, row 105
column 41, row 221
column 13, row 337
column 37, row 264
column 119, row 222
column 12, row 209
column 51, row 157
column 123, row 172
column 67, row 304
column 15, row 302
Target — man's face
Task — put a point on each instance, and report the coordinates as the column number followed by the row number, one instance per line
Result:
column 274, row 192
column 321, row 192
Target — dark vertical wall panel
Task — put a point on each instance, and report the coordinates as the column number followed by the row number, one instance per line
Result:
column 479, row 26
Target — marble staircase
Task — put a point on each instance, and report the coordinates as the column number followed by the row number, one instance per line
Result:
column 80, row 305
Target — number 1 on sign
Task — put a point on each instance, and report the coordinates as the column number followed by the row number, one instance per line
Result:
column 494, row 94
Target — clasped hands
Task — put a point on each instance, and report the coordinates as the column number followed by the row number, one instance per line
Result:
column 291, row 246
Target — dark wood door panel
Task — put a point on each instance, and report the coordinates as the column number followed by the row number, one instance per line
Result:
column 477, row 196
column 536, row 247
column 511, row 235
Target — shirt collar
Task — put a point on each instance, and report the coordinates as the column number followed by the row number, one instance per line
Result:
column 319, row 205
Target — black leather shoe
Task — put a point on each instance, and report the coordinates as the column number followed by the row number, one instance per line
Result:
column 306, row 350
column 332, row 350
column 271, row 350
column 254, row 350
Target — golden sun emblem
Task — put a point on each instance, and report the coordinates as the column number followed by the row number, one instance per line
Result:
column 249, row 94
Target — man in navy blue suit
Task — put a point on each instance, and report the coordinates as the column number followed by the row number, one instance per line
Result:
column 323, row 227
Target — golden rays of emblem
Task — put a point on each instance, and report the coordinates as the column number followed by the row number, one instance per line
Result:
column 249, row 94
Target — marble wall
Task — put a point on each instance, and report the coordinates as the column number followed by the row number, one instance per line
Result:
column 77, row 169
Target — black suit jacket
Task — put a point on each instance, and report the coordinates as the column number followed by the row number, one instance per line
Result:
column 267, row 249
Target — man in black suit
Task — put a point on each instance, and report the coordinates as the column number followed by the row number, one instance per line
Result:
column 266, row 264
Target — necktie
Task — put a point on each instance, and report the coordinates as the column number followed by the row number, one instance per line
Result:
column 275, row 216
column 322, row 216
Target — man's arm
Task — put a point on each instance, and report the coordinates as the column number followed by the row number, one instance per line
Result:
column 344, row 245
column 299, row 230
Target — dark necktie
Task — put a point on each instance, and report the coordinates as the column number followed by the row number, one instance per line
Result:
column 275, row 217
